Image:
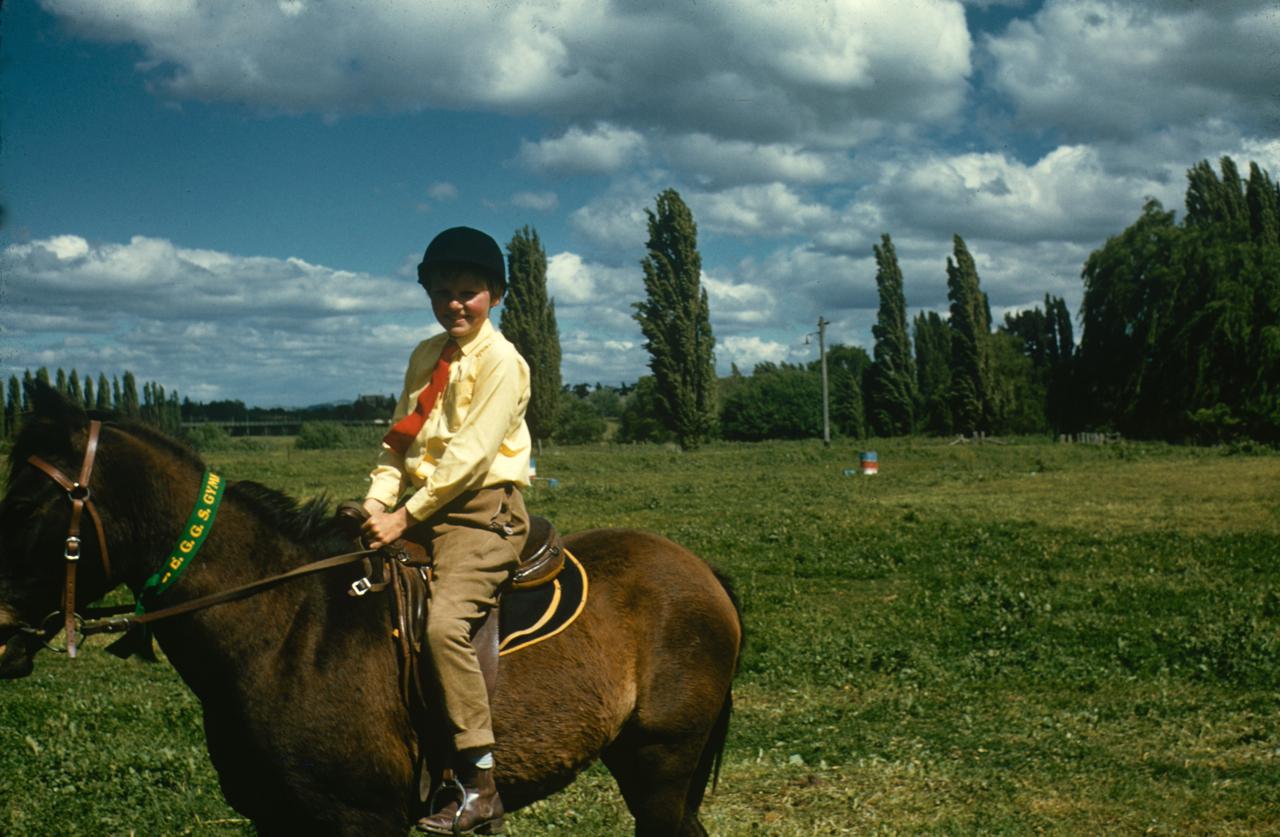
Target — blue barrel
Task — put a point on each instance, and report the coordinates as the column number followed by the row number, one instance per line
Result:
column 868, row 463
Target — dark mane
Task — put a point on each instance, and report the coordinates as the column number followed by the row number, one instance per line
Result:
column 309, row 521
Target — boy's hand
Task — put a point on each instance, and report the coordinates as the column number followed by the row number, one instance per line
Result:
column 383, row 527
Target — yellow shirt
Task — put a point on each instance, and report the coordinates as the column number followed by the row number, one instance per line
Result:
column 475, row 436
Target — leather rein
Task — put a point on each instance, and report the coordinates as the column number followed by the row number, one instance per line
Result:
column 81, row 500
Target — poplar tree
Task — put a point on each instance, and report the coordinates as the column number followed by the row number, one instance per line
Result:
column 73, row 388
column 891, row 390
column 970, row 323
column 676, row 322
column 1263, row 199
column 1062, row 403
column 89, row 399
column 529, row 322
column 61, row 380
column 933, row 372
column 14, row 405
column 104, row 393
column 173, row 414
column 129, row 397
column 847, row 367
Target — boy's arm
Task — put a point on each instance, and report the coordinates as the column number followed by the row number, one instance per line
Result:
column 498, row 402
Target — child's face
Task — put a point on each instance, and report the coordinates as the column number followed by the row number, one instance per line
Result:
column 461, row 303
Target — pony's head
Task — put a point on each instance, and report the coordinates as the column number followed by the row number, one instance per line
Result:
column 34, row 523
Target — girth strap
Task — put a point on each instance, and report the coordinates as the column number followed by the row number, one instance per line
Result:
column 78, row 493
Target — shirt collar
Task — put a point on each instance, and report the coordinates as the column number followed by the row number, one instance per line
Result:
column 476, row 339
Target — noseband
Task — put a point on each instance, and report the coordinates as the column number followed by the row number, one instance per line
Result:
column 81, row 499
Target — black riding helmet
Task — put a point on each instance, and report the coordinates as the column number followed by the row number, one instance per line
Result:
column 465, row 247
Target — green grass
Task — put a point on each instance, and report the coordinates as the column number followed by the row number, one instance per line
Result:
column 1017, row 639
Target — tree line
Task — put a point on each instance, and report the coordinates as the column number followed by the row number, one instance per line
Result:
column 118, row 394
column 1179, row 340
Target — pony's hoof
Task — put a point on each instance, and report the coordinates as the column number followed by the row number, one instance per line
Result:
column 497, row 826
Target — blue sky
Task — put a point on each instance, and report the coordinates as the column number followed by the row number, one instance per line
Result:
column 230, row 198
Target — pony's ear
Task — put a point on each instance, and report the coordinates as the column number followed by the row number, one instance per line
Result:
column 48, row 403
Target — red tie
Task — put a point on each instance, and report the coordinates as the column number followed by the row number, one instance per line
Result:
column 406, row 429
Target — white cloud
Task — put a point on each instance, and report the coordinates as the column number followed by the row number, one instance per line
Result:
column 442, row 191
column 602, row 150
column 209, row 322
column 808, row 282
column 590, row 356
column 1067, row 195
column 154, row 277
column 746, row 352
column 572, row 280
column 615, row 223
column 831, row 72
column 716, row 163
column 537, row 201
column 1100, row 69
column 771, row 208
column 738, row 302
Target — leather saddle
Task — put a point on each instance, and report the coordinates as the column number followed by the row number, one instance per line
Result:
column 407, row 569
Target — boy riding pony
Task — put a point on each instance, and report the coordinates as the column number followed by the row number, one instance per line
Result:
column 459, row 448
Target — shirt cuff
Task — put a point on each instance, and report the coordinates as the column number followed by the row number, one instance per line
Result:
column 385, row 491
column 422, row 504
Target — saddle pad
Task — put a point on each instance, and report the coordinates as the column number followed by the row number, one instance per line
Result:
column 526, row 617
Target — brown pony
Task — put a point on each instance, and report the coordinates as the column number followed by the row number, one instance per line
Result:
column 299, row 683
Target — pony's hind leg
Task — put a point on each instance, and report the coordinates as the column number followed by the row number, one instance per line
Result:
column 654, row 777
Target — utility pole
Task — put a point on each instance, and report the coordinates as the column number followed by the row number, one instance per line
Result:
column 822, row 354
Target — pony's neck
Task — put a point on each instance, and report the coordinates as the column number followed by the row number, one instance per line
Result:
column 212, row 646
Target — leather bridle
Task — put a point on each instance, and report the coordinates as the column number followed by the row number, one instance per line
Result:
column 81, row 500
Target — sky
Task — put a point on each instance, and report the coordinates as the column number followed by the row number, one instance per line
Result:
column 230, row 198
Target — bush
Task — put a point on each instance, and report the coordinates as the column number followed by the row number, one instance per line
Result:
column 207, row 437
column 641, row 415
column 322, row 435
column 332, row 435
column 578, row 422
column 776, row 403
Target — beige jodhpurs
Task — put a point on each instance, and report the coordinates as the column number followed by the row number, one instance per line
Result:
column 475, row 543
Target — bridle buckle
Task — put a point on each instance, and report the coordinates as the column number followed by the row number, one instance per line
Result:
column 72, row 551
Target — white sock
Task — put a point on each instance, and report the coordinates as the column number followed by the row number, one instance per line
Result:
column 485, row 760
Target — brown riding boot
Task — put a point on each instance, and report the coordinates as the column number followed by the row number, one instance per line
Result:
column 481, row 809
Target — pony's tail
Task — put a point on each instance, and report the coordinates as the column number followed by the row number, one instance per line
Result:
column 709, row 762
column 727, row 584
column 713, row 751
column 719, row 735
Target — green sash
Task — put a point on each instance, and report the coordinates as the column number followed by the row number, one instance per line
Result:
column 190, row 541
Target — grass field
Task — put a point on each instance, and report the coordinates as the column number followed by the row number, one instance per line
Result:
column 1000, row 639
